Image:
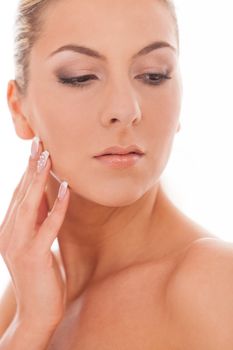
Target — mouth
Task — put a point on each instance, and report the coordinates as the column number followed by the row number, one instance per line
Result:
column 120, row 151
column 119, row 161
column 117, row 154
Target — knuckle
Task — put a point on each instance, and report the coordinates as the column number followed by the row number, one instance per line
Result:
column 37, row 179
column 31, row 165
column 55, row 218
column 19, row 254
column 52, row 222
column 24, row 207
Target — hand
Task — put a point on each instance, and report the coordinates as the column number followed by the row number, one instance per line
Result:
column 26, row 236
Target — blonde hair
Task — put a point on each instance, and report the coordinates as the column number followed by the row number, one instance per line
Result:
column 28, row 27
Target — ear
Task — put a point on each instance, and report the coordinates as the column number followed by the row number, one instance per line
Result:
column 15, row 102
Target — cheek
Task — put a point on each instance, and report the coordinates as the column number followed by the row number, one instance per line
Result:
column 161, row 120
column 162, row 110
column 61, row 109
column 61, row 114
column 65, row 127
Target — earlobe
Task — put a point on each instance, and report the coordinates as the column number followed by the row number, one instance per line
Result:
column 14, row 99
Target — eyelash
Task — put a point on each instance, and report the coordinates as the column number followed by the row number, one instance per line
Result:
column 75, row 81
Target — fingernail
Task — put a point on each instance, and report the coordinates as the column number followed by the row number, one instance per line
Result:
column 41, row 163
column 35, row 147
column 62, row 190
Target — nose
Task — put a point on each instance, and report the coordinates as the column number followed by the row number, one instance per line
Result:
column 121, row 107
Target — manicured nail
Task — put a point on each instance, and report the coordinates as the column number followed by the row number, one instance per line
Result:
column 35, row 147
column 41, row 163
column 62, row 190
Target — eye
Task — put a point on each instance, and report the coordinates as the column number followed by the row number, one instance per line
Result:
column 79, row 81
column 155, row 78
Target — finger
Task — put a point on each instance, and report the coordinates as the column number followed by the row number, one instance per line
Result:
column 28, row 209
column 52, row 224
column 31, row 169
column 20, row 190
column 42, row 211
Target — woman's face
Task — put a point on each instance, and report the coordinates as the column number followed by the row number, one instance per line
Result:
column 118, row 105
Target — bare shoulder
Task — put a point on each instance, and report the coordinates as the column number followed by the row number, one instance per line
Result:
column 200, row 295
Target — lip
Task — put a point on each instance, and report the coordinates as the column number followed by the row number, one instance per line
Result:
column 119, row 150
column 119, row 161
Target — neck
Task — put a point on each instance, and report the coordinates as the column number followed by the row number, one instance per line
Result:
column 96, row 241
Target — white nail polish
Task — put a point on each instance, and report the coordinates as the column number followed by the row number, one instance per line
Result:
column 62, row 190
column 35, row 146
column 41, row 163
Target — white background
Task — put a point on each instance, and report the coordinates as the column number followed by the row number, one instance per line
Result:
column 199, row 174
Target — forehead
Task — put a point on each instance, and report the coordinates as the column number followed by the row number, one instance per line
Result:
column 107, row 25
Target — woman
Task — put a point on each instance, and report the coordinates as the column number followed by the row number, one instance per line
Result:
column 132, row 271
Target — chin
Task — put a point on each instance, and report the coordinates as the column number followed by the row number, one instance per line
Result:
column 111, row 195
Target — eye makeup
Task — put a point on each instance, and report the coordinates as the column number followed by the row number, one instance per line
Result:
column 155, row 79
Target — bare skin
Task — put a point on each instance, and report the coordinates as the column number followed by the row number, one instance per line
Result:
column 128, row 308
column 123, row 242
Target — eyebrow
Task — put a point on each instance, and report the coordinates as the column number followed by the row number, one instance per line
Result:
column 93, row 53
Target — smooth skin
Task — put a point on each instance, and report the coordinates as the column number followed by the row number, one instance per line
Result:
column 139, row 274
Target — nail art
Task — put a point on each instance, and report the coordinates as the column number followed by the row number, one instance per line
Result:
column 41, row 163
column 62, row 190
column 35, row 146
